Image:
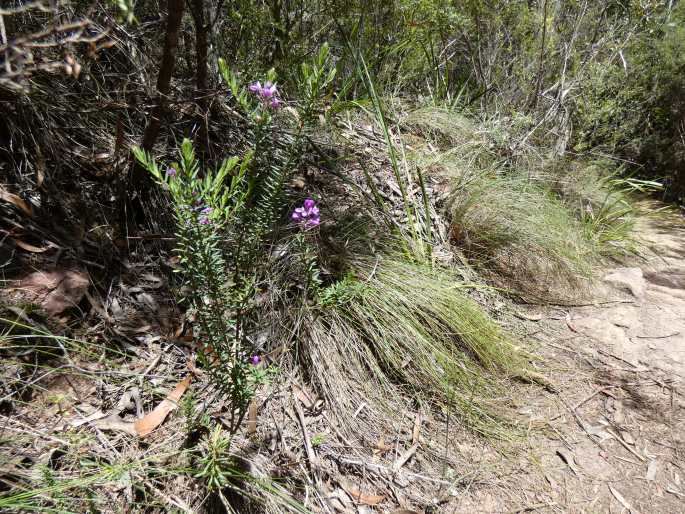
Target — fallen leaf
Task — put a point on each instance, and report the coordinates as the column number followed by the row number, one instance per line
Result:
column 416, row 433
column 30, row 248
column 307, row 398
column 569, row 325
column 17, row 201
column 114, row 422
column 568, row 459
column 402, row 459
column 251, row 417
column 627, row 437
column 88, row 419
column 651, row 470
column 364, row 499
column 381, row 447
column 155, row 418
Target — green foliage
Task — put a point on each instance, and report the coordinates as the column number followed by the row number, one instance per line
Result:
column 216, row 464
column 342, row 291
column 632, row 105
column 222, row 219
column 206, row 207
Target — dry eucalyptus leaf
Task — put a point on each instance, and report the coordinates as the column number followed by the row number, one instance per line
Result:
column 620, row 498
column 114, row 422
column 56, row 291
column 155, row 418
column 359, row 497
column 30, row 248
column 17, row 201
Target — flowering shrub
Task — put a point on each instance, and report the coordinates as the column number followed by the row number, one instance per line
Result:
column 222, row 221
column 205, row 210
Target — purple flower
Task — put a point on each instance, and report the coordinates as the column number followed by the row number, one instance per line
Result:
column 170, row 172
column 307, row 215
column 207, row 210
column 268, row 91
column 255, row 360
column 204, row 220
column 256, row 87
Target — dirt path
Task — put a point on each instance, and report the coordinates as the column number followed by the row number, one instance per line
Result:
column 615, row 432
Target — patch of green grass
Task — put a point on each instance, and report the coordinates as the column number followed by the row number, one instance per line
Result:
column 404, row 328
column 522, row 231
column 535, row 223
column 603, row 199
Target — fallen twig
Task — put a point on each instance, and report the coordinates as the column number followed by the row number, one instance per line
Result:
column 311, row 456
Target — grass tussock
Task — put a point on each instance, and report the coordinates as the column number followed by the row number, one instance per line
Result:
column 522, row 233
column 532, row 226
column 400, row 329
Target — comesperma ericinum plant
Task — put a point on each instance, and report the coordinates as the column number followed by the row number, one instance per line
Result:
column 224, row 218
column 206, row 208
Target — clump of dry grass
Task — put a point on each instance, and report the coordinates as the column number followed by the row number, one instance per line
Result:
column 531, row 225
column 522, row 233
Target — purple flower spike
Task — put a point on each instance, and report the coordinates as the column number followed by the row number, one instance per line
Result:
column 307, row 215
column 255, row 360
column 170, row 172
column 204, row 220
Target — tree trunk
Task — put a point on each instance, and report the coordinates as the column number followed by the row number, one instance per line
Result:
column 174, row 17
column 140, row 180
column 201, row 71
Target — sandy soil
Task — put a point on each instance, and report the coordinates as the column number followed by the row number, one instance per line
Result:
column 613, row 438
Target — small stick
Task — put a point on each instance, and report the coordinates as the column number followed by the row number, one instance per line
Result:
column 625, row 445
column 384, row 471
column 659, row 337
column 583, row 401
column 311, row 456
column 608, row 354
column 404, row 458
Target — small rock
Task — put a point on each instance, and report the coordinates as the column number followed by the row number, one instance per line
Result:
column 630, row 279
column 55, row 291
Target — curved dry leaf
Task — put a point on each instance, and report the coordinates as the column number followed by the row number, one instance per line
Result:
column 29, row 247
column 55, row 291
column 17, row 201
column 114, row 422
column 155, row 418
column 620, row 498
column 364, row 499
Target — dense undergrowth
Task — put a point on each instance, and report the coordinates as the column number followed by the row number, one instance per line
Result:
column 341, row 199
